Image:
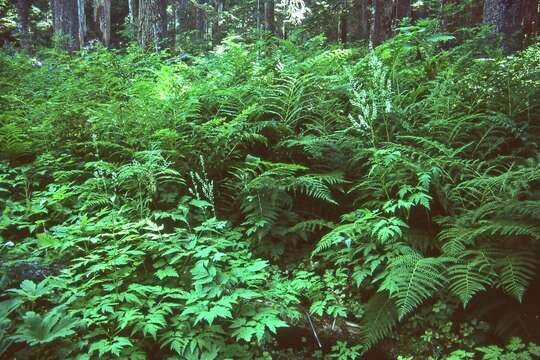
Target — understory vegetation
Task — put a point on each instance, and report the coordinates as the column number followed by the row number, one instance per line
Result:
column 272, row 199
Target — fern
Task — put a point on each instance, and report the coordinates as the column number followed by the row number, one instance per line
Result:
column 315, row 186
column 411, row 279
column 381, row 316
column 516, row 270
column 291, row 100
column 471, row 275
column 311, row 226
column 362, row 220
column 14, row 142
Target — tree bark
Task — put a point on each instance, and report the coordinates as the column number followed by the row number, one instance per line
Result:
column 495, row 13
column 132, row 10
column 66, row 23
column 360, row 19
column 382, row 21
column 102, row 17
column 269, row 22
column 200, row 22
column 152, row 24
column 183, row 16
column 531, row 20
column 403, row 9
column 520, row 23
column 132, row 20
column 23, row 24
column 514, row 20
column 343, row 24
column 217, row 35
column 81, row 18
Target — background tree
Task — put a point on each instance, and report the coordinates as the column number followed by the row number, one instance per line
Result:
column 343, row 23
column 495, row 12
column 196, row 25
column 382, row 21
column 403, row 9
column 67, row 24
column 269, row 14
column 102, row 17
column 360, row 19
column 514, row 21
column 23, row 24
column 152, row 23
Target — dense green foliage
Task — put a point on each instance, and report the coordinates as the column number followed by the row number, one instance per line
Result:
column 196, row 210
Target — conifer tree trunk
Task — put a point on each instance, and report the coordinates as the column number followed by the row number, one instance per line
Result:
column 23, row 28
column 360, row 19
column 216, row 23
column 495, row 13
column 269, row 10
column 200, row 22
column 102, row 16
column 81, row 18
column 403, row 9
column 132, row 10
column 343, row 24
column 382, row 21
column 174, row 24
column 521, row 21
column 514, row 20
column 132, row 20
column 66, row 24
column 184, row 18
column 152, row 24
column 531, row 19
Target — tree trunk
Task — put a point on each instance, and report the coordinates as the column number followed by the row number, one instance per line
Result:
column 133, row 11
column 184, row 16
column 23, row 28
column 382, row 21
column 449, row 20
column 403, row 9
column 174, row 24
column 102, row 17
column 152, row 24
column 200, row 23
column 269, row 10
column 217, row 35
column 66, row 23
column 495, row 13
column 360, row 19
column 531, row 20
column 514, row 20
column 81, row 18
column 520, row 23
column 343, row 25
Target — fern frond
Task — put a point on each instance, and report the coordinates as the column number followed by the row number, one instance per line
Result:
column 291, row 99
column 465, row 233
column 313, row 186
column 354, row 225
column 411, row 279
column 516, row 269
column 311, row 226
column 14, row 142
column 380, row 317
column 469, row 276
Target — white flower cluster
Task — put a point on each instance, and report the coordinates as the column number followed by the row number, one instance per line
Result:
column 369, row 99
column 367, row 109
column 295, row 10
column 201, row 184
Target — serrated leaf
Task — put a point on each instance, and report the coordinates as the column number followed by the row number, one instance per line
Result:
column 168, row 271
